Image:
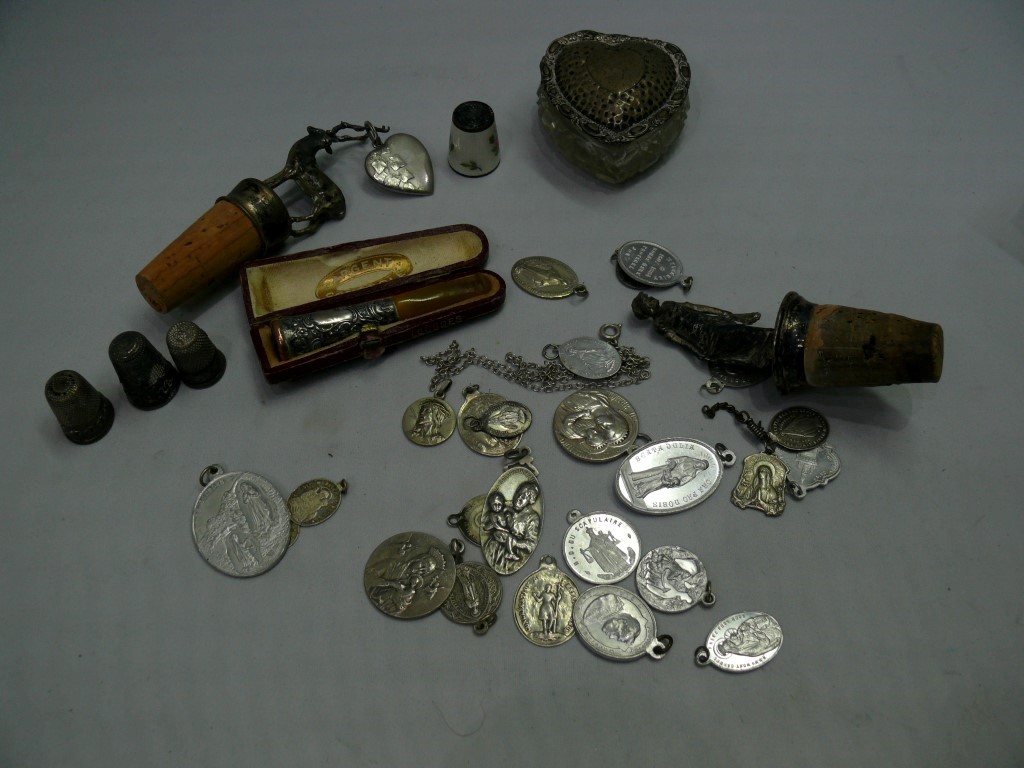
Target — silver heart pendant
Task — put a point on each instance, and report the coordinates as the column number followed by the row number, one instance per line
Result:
column 401, row 164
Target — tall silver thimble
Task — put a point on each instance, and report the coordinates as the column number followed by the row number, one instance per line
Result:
column 473, row 141
column 84, row 414
column 148, row 379
column 199, row 362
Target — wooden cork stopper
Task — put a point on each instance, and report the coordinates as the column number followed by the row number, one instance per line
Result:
column 217, row 244
column 828, row 345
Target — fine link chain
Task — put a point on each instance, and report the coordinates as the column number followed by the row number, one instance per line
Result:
column 549, row 376
column 745, row 419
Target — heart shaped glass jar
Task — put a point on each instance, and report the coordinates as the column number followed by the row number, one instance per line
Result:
column 613, row 104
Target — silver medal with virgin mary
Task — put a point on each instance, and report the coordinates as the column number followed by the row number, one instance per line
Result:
column 587, row 357
column 742, row 642
column 615, row 623
column 476, row 595
column 599, row 547
column 240, row 522
column 668, row 476
column 547, row 278
column 512, row 519
column 595, row 425
column 762, row 484
column 474, row 413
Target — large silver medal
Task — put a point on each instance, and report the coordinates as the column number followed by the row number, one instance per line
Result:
column 409, row 575
column 673, row 579
column 240, row 522
column 600, row 548
column 596, row 425
column 543, row 605
column 668, row 476
column 742, row 642
column 615, row 623
column 512, row 517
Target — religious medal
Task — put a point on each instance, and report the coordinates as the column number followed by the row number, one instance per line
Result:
column 599, row 547
column 409, row 575
column 400, row 164
column 811, row 469
column 725, row 375
column 547, row 278
column 668, row 476
column 473, row 413
column 587, row 357
column 476, row 595
column 315, row 501
column 642, row 263
column 505, row 419
column 240, row 522
column 430, row 420
column 798, row 429
column 762, row 482
column 543, row 605
column 470, row 518
column 513, row 515
column 613, row 622
column 673, row 579
column 595, row 425
column 742, row 642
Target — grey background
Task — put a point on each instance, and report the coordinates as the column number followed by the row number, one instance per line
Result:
column 866, row 155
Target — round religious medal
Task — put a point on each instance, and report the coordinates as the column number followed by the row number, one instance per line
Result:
column 409, row 575
column 673, row 579
column 511, row 521
column 668, row 476
column 473, row 413
column 600, row 548
column 543, row 605
column 428, row 421
column 315, row 501
column 798, row 429
column 595, row 425
column 615, row 623
column 742, row 642
column 240, row 522
column 547, row 278
column 650, row 264
column 475, row 597
column 470, row 518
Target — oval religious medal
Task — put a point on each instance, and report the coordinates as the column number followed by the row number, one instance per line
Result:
column 668, row 476
column 240, row 522
column 409, row 575
column 811, row 469
column 506, row 419
column 595, row 425
column 600, row 548
column 589, row 358
column 762, row 484
column 742, row 642
column 613, row 622
column 736, row 375
column 473, row 413
column 475, row 597
column 543, row 605
column 650, row 264
column 673, row 579
column 315, row 501
column 511, row 520
column 469, row 519
column 547, row 278
column 798, row 429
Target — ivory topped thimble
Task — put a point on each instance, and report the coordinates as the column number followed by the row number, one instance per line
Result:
column 473, row 144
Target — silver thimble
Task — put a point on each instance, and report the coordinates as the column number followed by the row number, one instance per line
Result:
column 148, row 379
column 84, row 414
column 199, row 362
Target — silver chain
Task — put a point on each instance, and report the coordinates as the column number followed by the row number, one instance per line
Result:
column 549, row 376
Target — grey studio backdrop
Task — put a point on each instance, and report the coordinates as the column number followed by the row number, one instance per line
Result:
column 865, row 155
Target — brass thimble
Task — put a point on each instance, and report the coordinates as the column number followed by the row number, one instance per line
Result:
column 84, row 414
column 200, row 364
column 148, row 378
